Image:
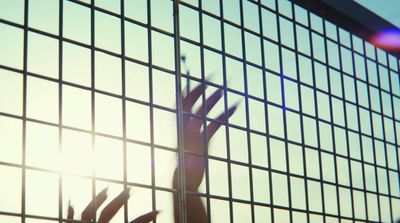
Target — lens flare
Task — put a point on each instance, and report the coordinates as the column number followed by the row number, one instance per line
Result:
column 387, row 39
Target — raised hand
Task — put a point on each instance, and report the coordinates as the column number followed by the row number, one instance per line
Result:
column 193, row 140
column 110, row 210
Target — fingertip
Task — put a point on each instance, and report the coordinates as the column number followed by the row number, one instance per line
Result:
column 70, row 205
column 209, row 76
column 104, row 191
column 233, row 107
column 70, row 210
column 128, row 191
column 237, row 103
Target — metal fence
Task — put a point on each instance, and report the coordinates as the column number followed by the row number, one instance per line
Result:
column 88, row 93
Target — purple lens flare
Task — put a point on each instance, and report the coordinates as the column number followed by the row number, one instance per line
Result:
column 387, row 39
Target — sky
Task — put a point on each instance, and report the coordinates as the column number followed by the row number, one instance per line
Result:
column 388, row 9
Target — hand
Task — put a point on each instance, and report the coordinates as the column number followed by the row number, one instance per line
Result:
column 193, row 140
column 110, row 210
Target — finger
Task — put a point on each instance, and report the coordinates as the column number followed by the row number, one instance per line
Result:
column 112, row 208
column 214, row 126
column 210, row 102
column 70, row 214
column 151, row 216
column 189, row 100
column 90, row 210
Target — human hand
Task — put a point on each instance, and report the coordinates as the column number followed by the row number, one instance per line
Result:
column 194, row 141
column 110, row 210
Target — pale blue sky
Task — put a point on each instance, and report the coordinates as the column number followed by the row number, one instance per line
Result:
column 388, row 9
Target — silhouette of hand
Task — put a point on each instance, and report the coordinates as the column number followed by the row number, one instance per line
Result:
column 110, row 210
column 193, row 140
